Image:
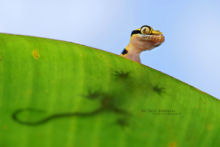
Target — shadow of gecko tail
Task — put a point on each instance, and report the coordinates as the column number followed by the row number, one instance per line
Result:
column 60, row 115
column 52, row 117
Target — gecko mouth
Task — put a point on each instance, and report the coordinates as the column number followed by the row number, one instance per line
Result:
column 153, row 38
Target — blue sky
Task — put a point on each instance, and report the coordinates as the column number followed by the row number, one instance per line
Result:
column 191, row 51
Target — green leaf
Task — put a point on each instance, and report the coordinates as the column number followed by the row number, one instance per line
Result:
column 61, row 94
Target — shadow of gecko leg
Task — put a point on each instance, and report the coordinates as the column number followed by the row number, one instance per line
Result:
column 106, row 106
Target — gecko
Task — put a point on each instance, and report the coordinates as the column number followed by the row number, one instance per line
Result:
column 143, row 38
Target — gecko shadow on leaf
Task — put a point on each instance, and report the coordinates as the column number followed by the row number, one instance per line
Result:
column 106, row 100
column 106, row 105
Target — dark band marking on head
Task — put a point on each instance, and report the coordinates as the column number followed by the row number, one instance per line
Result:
column 125, row 51
column 135, row 32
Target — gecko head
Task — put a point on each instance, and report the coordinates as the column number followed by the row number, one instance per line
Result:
column 145, row 38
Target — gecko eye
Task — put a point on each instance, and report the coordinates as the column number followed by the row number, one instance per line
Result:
column 146, row 30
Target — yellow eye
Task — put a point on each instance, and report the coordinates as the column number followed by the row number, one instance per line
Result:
column 146, row 30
